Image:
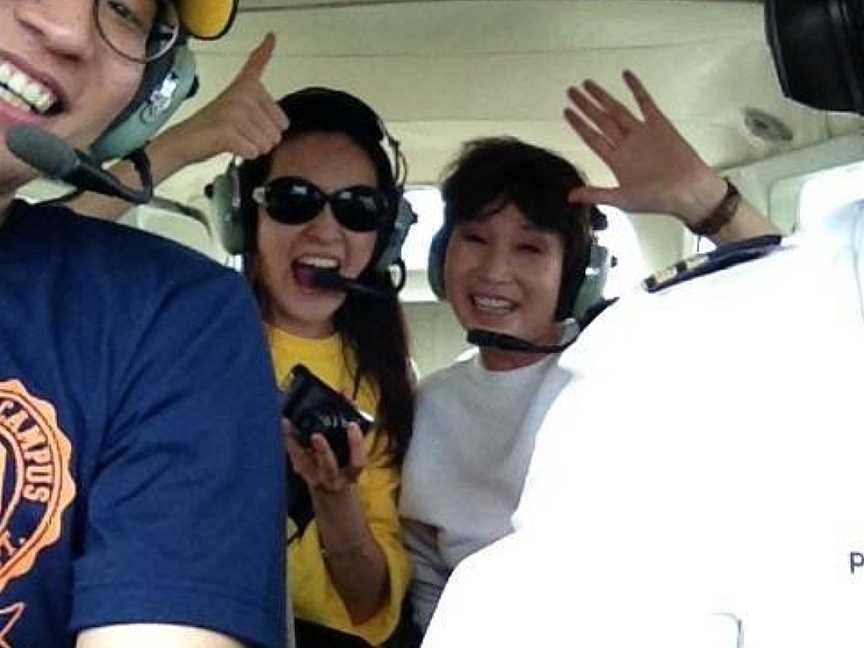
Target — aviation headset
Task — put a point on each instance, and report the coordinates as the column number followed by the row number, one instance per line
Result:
column 165, row 84
column 318, row 109
column 818, row 50
column 581, row 283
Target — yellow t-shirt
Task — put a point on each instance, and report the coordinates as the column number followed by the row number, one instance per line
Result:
column 315, row 598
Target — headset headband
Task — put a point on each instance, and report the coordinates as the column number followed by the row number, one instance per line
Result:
column 318, row 108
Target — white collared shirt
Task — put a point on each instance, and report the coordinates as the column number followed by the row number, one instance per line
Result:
column 701, row 475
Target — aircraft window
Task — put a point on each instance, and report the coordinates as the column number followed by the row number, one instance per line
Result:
column 621, row 239
column 827, row 191
column 427, row 204
column 704, row 245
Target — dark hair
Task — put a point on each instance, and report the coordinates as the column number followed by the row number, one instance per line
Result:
column 491, row 173
column 373, row 328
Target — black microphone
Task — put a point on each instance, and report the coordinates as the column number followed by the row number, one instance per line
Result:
column 332, row 280
column 54, row 158
column 506, row 342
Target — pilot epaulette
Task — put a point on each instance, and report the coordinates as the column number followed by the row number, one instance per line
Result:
column 709, row 262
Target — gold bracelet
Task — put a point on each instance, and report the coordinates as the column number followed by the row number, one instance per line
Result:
column 722, row 214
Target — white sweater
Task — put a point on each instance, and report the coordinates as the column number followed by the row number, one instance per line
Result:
column 462, row 478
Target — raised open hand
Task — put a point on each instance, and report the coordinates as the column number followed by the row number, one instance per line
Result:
column 656, row 168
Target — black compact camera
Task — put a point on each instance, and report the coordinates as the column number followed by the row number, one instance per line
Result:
column 315, row 408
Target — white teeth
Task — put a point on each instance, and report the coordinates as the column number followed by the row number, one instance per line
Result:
column 319, row 262
column 18, row 82
column 494, row 304
column 34, row 93
column 43, row 102
column 23, row 92
column 10, row 98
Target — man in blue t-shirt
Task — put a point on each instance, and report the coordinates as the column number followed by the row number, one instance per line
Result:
column 142, row 476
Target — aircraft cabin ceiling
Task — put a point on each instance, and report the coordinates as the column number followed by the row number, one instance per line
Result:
column 443, row 71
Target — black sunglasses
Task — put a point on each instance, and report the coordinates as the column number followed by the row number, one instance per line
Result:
column 294, row 201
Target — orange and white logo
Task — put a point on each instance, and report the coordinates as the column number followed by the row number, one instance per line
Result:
column 36, row 485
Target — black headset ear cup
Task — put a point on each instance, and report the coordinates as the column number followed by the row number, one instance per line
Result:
column 582, row 286
column 228, row 210
column 590, row 292
column 391, row 252
column 435, row 267
column 847, row 18
column 818, row 51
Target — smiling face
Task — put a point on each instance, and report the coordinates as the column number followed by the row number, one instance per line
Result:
column 288, row 254
column 502, row 274
column 56, row 72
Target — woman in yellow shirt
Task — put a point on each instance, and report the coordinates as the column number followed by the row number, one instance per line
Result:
column 325, row 199
column 319, row 192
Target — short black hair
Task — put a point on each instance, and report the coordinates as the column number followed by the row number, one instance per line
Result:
column 493, row 172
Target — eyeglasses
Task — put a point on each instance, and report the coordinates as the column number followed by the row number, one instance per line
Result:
column 138, row 30
column 294, row 201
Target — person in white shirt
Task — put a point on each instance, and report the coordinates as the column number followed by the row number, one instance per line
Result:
column 511, row 260
column 697, row 481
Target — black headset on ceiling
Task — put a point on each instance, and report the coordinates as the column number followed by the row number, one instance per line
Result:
column 311, row 110
column 818, row 49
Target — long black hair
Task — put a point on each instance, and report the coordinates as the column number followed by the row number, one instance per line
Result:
column 373, row 328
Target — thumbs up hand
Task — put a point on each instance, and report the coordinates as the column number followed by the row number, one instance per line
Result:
column 243, row 119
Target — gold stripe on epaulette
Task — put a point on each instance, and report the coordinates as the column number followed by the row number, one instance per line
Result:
column 662, row 277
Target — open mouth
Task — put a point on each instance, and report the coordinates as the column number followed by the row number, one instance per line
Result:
column 306, row 267
column 25, row 93
column 493, row 305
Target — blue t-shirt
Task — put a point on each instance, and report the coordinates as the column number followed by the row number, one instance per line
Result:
column 142, row 469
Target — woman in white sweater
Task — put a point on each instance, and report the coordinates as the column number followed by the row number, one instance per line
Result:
column 511, row 259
